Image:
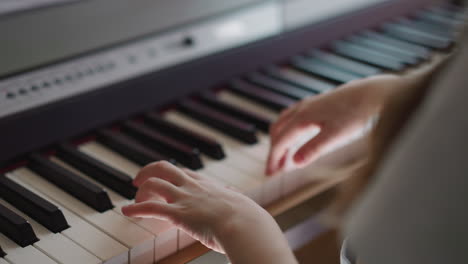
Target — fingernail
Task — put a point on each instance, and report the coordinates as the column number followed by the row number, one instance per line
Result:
column 135, row 183
column 299, row 158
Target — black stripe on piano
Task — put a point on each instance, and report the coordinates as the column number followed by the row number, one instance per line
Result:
column 278, row 86
column 2, row 253
column 369, row 56
column 16, row 227
column 84, row 190
column 114, row 179
column 322, row 70
column 308, row 82
column 418, row 50
column 261, row 95
column 130, row 148
column 405, row 56
column 206, row 145
column 33, row 205
column 416, row 36
column 352, row 66
column 260, row 122
column 231, row 126
column 184, row 154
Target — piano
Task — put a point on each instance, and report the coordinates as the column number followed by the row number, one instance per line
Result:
column 92, row 91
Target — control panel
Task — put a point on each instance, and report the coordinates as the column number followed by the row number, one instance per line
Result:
column 141, row 57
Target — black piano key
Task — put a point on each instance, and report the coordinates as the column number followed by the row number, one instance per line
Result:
column 368, row 56
column 441, row 30
column 307, row 82
column 260, row 122
column 261, row 95
column 182, row 153
column 82, row 189
column 352, row 66
column 243, row 131
column 2, row 253
column 320, row 69
column 416, row 36
column 206, row 145
column 130, row 148
column 437, row 19
column 16, row 227
column 449, row 11
column 33, row 205
column 277, row 86
column 420, row 51
column 428, row 27
column 114, row 179
column 403, row 55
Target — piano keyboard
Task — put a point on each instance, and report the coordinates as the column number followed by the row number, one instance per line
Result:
column 64, row 206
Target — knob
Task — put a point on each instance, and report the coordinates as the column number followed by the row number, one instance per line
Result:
column 188, row 41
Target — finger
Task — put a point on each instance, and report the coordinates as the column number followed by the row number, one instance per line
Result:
column 234, row 189
column 283, row 119
column 155, row 187
column 281, row 143
column 282, row 161
column 192, row 174
column 314, row 148
column 150, row 209
column 162, row 170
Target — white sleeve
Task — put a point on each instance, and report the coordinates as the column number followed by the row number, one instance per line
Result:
column 416, row 212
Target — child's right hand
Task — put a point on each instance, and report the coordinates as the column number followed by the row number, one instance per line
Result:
column 337, row 114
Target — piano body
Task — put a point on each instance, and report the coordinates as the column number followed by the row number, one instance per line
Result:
column 91, row 91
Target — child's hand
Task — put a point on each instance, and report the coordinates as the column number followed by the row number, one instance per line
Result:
column 202, row 208
column 337, row 115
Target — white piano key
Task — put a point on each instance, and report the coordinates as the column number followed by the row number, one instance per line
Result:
column 110, row 157
column 233, row 177
column 165, row 233
column 89, row 237
column 246, row 104
column 56, row 246
column 20, row 255
column 235, row 156
column 140, row 242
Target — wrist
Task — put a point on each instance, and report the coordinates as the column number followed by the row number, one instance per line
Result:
column 254, row 240
column 241, row 221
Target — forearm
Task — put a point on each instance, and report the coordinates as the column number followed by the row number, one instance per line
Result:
column 410, row 81
column 255, row 240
